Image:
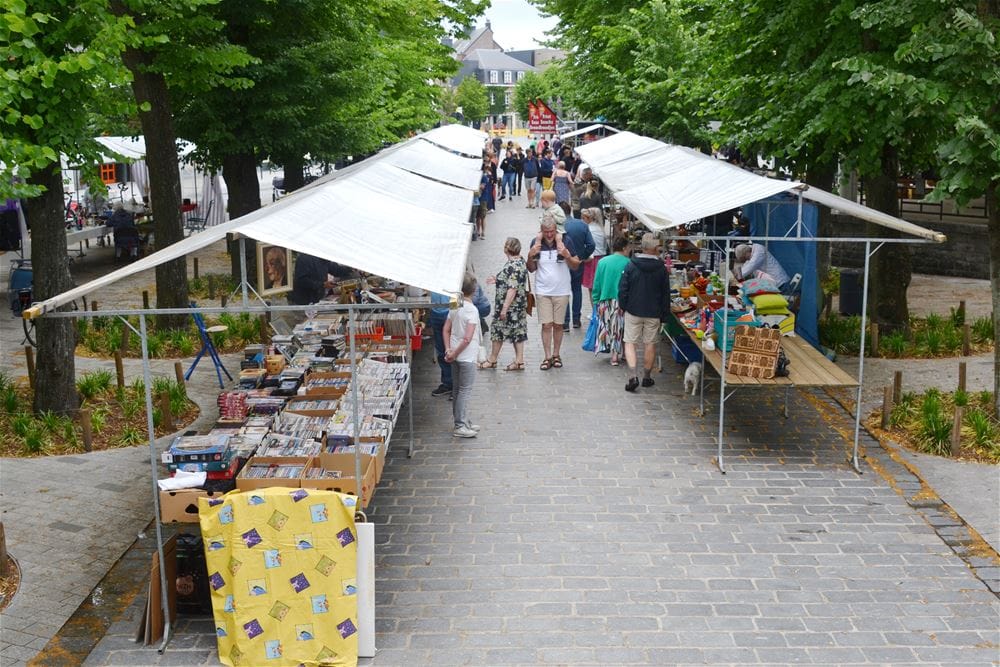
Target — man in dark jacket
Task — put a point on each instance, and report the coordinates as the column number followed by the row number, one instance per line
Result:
column 312, row 278
column 644, row 295
column 583, row 241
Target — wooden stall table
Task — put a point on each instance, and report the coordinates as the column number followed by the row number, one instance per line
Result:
column 806, row 368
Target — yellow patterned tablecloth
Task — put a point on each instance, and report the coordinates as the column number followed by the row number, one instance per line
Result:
column 282, row 564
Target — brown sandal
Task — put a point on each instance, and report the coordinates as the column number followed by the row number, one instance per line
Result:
column 556, row 362
column 484, row 365
column 514, row 366
column 546, row 365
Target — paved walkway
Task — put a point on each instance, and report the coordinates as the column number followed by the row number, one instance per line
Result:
column 586, row 525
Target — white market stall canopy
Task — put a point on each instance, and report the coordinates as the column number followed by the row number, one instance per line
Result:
column 457, row 138
column 134, row 148
column 666, row 186
column 588, row 130
column 400, row 223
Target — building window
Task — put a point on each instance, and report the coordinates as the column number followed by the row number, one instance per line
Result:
column 506, row 99
column 520, row 75
column 494, row 76
column 108, row 173
column 508, row 76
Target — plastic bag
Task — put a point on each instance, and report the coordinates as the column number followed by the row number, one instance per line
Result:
column 590, row 340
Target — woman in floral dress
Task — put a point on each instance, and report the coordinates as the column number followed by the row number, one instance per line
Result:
column 510, row 320
column 610, row 318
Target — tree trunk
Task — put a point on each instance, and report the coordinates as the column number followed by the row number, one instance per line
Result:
column 822, row 175
column 294, row 177
column 891, row 266
column 993, row 227
column 157, row 123
column 55, row 371
column 240, row 172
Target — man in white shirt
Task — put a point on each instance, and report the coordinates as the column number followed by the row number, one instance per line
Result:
column 753, row 258
column 461, row 337
column 551, row 257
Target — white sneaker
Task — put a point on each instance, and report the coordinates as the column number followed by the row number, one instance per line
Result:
column 473, row 427
column 463, row 432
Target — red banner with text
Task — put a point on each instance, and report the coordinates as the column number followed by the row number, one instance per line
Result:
column 541, row 118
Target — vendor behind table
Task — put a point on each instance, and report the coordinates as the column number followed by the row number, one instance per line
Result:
column 313, row 278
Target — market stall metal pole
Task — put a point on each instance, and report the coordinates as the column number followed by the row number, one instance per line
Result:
column 147, row 378
column 861, row 355
column 409, row 390
column 352, row 335
column 724, row 345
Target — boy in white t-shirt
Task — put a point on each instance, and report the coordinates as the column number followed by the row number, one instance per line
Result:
column 461, row 337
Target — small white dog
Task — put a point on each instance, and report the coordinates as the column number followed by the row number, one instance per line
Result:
column 692, row 377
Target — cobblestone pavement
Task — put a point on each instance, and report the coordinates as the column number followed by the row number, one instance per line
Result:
column 589, row 526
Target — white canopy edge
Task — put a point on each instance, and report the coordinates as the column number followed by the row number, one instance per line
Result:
column 450, row 168
column 372, row 216
column 458, row 138
column 856, row 210
column 667, row 186
column 134, row 148
column 587, row 130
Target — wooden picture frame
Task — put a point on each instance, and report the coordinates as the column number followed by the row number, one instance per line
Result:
column 274, row 269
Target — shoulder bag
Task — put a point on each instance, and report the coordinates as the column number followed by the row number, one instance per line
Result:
column 530, row 296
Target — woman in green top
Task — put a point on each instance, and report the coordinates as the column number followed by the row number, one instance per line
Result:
column 610, row 318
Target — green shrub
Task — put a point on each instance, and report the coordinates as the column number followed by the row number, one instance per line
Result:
column 130, row 436
column 155, row 342
column 6, row 382
column 982, row 330
column 50, row 421
column 934, row 322
column 93, row 383
column 951, row 338
column 841, row 334
column 935, row 427
column 34, row 440
column 99, row 419
column 957, row 317
column 960, row 398
column 219, row 339
column 984, row 432
column 21, row 423
column 10, row 400
column 893, row 345
column 903, row 410
column 933, row 341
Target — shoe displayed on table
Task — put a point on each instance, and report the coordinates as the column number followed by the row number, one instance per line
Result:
column 647, row 382
column 464, row 432
column 441, row 391
column 632, row 384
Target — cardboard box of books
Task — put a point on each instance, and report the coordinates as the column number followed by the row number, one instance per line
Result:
column 312, row 406
column 261, row 472
column 181, row 506
column 327, row 383
column 335, row 472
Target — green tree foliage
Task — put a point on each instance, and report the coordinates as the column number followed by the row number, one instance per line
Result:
column 532, row 87
column 947, row 70
column 635, row 63
column 473, row 98
column 48, row 107
column 498, row 100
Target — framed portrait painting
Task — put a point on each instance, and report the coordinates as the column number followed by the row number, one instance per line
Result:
column 274, row 269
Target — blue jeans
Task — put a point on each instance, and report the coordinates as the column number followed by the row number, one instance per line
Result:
column 508, row 186
column 437, row 325
column 576, row 289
